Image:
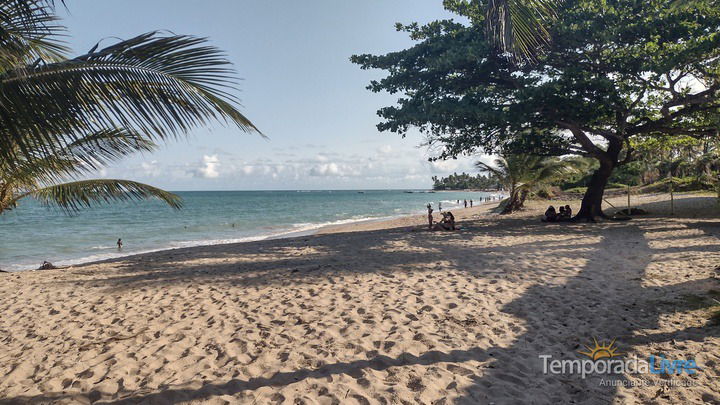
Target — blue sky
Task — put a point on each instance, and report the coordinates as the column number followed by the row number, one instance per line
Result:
column 298, row 87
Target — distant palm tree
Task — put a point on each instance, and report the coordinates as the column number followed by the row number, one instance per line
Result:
column 519, row 27
column 522, row 174
column 59, row 116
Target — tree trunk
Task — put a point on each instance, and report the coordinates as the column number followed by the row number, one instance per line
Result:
column 511, row 201
column 523, row 197
column 515, row 201
column 591, row 206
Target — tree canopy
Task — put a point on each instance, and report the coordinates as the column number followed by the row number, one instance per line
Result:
column 615, row 70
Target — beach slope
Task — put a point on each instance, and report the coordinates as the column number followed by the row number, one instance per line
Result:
column 377, row 313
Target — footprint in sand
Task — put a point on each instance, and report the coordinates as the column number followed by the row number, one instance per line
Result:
column 415, row 384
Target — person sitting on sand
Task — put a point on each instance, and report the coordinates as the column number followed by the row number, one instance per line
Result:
column 550, row 215
column 565, row 214
column 447, row 223
column 449, row 218
column 430, row 217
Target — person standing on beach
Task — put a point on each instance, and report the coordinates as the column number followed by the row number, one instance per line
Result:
column 465, row 202
column 470, row 203
column 430, row 217
column 119, row 243
column 440, row 206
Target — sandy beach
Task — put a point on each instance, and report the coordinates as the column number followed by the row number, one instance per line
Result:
column 379, row 312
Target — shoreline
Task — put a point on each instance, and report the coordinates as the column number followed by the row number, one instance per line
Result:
column 286, row 234
column 310, row 229
column 417, row 219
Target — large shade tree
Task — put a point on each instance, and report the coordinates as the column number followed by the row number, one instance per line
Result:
column 615, row 70
column 60, row 117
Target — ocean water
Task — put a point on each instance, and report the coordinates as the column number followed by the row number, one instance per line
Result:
column 33, row 233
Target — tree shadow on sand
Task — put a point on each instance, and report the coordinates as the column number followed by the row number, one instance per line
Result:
column 615, row 303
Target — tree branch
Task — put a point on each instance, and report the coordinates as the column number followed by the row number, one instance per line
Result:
column 582, row 139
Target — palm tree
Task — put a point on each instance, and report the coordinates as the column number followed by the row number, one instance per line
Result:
column 522, row 174
column 60, row 116
column 519, row 27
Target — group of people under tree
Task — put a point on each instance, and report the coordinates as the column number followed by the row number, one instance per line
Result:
column 561, row 215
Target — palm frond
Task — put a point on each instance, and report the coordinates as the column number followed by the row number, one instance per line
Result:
column 108, row 145
column 524, row 171
column 29, row 31
column 28, row 176
column 74, row 196
column 552, row 169
column 519, row 27
column 161, row 86
column 83, row 156
column 497, row 171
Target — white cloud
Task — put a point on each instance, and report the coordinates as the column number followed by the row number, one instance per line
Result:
column 385, row 150
column 325, row 169
column 380, row 166
column 209, row 170
column 441, row 166
column 150, row 169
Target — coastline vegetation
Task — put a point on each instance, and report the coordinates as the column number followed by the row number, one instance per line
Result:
column 464, row 181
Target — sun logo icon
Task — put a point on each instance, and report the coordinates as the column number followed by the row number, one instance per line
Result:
column 601, row 350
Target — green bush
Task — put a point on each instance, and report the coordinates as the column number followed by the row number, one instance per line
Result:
column 680, row 184
column 582, row 190
column 576, row 190
column 547, row 192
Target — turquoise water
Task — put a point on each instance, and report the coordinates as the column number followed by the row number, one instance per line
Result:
column 33, row 233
